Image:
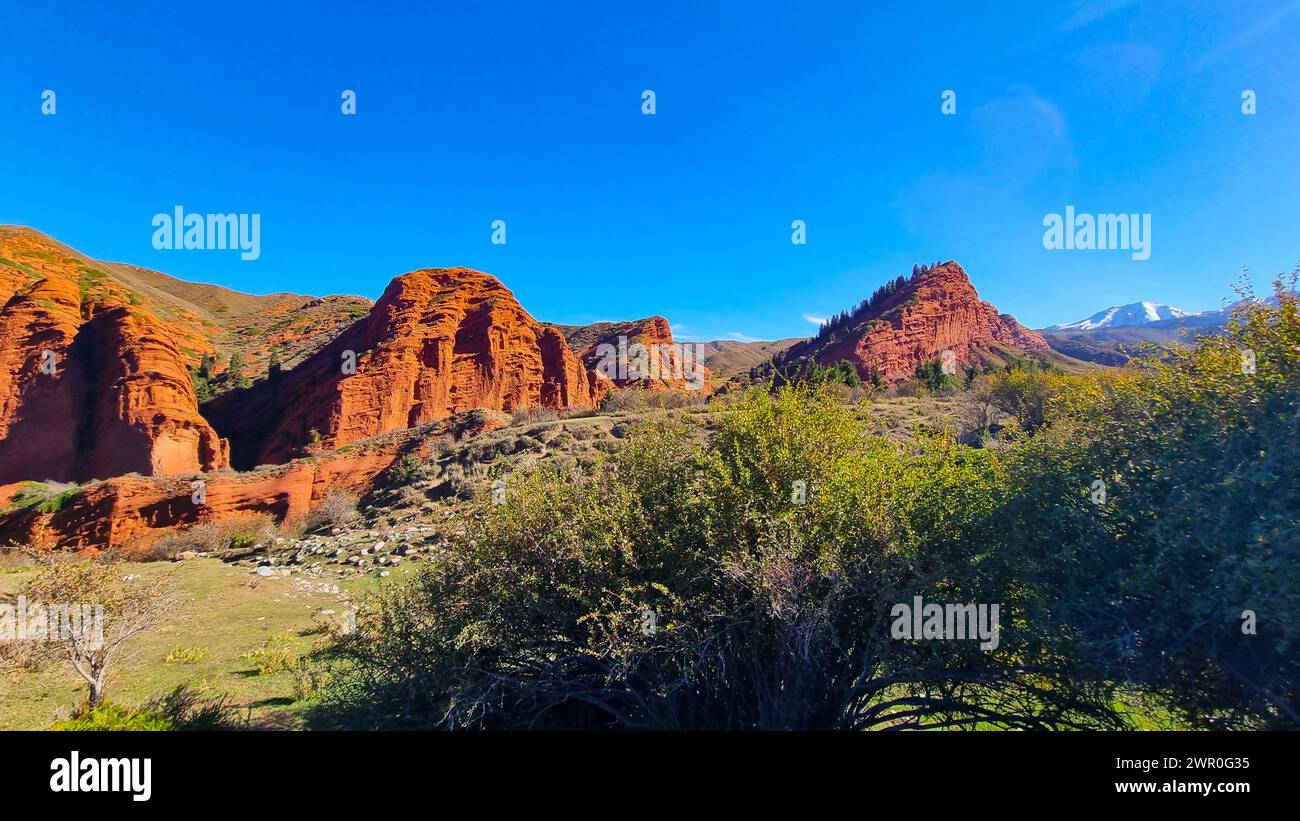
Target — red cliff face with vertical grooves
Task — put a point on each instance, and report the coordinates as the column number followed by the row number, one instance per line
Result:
column 650, row 358
column 931, row 313
column 92, row 387
column 438, row 341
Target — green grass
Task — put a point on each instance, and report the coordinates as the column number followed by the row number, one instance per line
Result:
column 88, row 279
column 45, row 255
column 20, row 266
column 46, row 498
column 224, row 615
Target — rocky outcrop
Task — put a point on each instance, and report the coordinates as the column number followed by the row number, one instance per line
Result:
column 926, row 315
column 131, row 510
column 439, row 341
column 128, row 513
column 91, row 387
column 639, row 354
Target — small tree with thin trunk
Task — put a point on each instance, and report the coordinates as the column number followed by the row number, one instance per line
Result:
column 110, row 606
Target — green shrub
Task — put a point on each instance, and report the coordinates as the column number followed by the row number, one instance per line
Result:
column 770, row 614
column 1201, row 466
column 276, row 655
column 406, row 469
column 109, row 717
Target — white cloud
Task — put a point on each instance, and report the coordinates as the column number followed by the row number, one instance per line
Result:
column 816, row 320
column 739, row 337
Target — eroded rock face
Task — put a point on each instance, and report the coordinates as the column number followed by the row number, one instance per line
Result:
column 934, row 312
column 641, row 354
column 91, row 389
column 132, row 510
column 129, row 513
column 439, row 341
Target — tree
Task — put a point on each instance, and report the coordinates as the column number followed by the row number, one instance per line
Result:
column 932, row 375
column 235, row 370
column 201, row 378
column 89, row 610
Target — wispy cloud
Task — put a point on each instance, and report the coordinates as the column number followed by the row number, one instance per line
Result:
column 1092, row 11
column 816, row 320
column 739, row 337
column 1249, row 35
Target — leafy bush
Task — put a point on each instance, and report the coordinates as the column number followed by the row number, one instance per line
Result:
column 1201, row 465
column 179, row 709
column 771, row 614
column 405, row 469
column 1022, row 393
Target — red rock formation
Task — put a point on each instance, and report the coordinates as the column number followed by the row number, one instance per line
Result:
column 438, row 341
column 933, row 312
column 132, row 510
column 94, row 389
column 639, row 354
column 129, row 512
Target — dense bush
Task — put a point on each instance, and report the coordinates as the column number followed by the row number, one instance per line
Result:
column 769, row 613
column 1201, row 521
column 1022, row 394
column 110, row 717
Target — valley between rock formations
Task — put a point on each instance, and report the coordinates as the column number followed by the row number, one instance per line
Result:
column 131, row 403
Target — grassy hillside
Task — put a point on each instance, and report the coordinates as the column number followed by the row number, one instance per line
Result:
column 727, row 358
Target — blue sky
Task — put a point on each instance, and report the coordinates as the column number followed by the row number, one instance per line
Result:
column 766, row 113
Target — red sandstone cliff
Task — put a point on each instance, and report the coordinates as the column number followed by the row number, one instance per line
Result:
column 640, row 354
column 928, row 314
column 91, row 385
column 438, row 341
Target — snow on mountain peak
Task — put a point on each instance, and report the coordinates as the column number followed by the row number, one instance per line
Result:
column 1136, row 313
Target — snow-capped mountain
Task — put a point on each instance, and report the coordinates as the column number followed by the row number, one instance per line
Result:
column 1137, row 313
